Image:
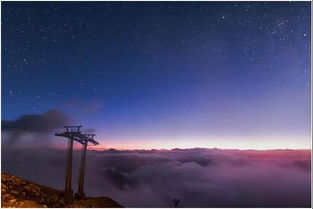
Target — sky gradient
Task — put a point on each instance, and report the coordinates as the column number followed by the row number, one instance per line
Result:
column 163, row 74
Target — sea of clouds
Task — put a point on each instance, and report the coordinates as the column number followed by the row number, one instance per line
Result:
column 153, row 178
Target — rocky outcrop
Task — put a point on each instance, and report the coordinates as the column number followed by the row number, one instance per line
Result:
column 19, row 193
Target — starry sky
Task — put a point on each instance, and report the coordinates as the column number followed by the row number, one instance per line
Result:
column 163, row 74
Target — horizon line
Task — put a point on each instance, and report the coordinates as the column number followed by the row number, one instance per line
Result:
column 94, row 148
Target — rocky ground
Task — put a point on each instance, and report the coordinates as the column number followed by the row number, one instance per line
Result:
column 19, row 193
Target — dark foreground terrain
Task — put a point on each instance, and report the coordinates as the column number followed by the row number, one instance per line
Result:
column 19, row 193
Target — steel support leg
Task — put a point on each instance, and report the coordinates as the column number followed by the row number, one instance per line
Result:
column 80, row 193
column 68, row 191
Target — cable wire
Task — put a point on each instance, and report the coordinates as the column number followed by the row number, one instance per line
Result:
column 34, row 130
column 11, row 128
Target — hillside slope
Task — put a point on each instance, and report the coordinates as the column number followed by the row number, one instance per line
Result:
column 17, row 192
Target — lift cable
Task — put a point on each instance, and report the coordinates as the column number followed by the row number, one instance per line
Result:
column 12, row 128
column 34, row 130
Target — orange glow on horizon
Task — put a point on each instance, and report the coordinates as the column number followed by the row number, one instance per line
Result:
column 240, row 143
column 265, row 143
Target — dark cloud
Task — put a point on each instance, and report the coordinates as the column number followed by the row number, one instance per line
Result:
column 32, row 129
column 304, row 164
column 52, row 119
column 119, row 180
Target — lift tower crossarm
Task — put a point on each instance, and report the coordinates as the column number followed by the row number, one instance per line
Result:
column 89, row 138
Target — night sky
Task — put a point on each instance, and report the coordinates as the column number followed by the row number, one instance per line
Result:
column 163, row 74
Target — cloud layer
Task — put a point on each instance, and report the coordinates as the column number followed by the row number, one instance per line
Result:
column 198, row 177
column 140, row 178
column 31, row 130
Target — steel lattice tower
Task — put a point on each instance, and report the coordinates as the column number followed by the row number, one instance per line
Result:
column 73, row 134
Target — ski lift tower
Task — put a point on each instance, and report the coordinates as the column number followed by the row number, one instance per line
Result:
column 72, row 133
column 84, row 139
column 176, row 202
